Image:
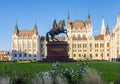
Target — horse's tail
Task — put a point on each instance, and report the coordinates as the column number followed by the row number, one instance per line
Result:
column 47, row 37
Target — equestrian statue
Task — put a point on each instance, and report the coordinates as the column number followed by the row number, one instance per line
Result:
column 56, row 29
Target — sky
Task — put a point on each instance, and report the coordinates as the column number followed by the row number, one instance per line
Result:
column 43, row 12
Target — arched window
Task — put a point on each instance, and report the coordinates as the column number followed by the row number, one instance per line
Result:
column 25, row 55
column 96, row 55
column 90, row 45
column 20, row 55
column 15, row 55
column 29, row 55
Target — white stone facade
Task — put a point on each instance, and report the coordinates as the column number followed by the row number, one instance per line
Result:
column 115, row 40
column 82, row 45
column 25, row 45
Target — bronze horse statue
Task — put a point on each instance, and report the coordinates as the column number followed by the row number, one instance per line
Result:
column 57, row 29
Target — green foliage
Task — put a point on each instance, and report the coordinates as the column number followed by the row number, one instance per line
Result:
column 109, row 69
column 72, row 76
column 117, row 81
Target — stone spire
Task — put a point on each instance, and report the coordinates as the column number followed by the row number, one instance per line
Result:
column 35, row 25
column 35, row 28
column 103, row 27
column 89, row 21
column 68, row 22
column 118, row 18
column 16, row 29
column 107, row 32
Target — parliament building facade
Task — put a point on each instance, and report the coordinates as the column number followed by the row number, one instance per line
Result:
column 25, row 44
column 82, row 44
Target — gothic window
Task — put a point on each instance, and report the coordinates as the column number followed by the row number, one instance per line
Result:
column 15, row 55
column 108, row 45
column 84, row 45
column 20, row 55
column 74, row 45
column 79, row 55
column 25, row 55
column 84, row 55
column 96, row 45
column 29, row 55
column 101, row 54
column 34, row 55
column 79, row 45
column 91, row 55
column 101, row 45
column 74, row 55
column 96, row 55
column 90, row 45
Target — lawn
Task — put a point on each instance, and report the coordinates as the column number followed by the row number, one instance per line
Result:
column 109, row 70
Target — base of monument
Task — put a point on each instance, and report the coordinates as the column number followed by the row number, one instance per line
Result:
column 58, row 59
column 57, row 51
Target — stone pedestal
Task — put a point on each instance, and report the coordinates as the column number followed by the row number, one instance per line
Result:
column 57, row 51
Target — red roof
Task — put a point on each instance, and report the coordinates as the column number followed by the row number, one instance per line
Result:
column 99, row 37
column 79, row 24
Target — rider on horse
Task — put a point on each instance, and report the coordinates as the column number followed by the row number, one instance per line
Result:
column 57, row 29
column 54, row 24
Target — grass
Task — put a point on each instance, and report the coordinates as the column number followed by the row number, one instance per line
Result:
column 109, row 70
column 26, row 67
